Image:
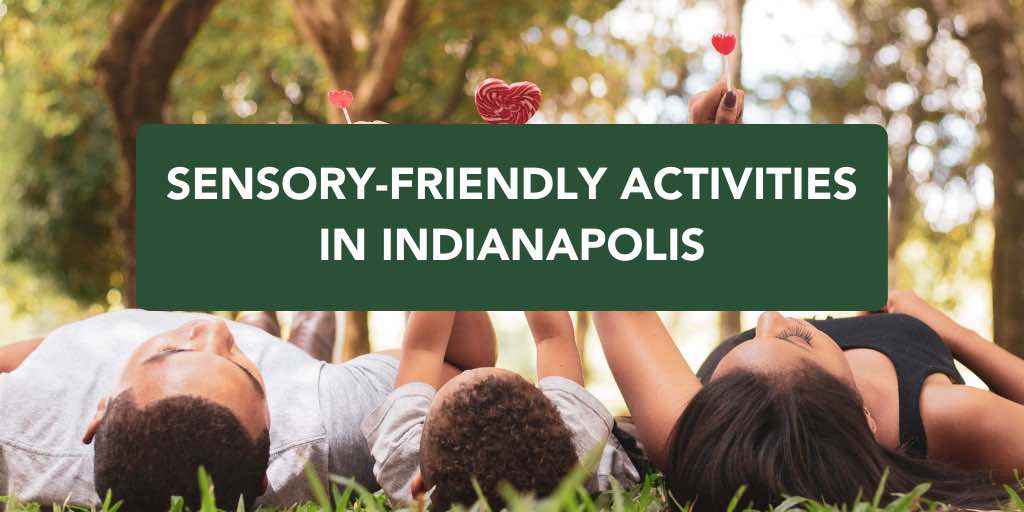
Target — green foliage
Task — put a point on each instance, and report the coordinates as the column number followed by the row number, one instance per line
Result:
column 571, row 496
column 57, row 157
column 59, row 163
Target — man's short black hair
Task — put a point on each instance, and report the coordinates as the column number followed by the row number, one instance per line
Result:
column 146, row 455
column 498, row 429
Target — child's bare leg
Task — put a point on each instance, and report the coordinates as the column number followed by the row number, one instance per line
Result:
column 266, row 320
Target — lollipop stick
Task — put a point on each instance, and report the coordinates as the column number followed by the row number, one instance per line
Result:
column 728, row 75
column 347, row 118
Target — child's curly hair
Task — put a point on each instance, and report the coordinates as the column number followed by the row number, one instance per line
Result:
column 498, row 429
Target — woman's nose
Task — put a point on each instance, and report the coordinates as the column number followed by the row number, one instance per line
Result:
column 770, row 323
column 213, row 336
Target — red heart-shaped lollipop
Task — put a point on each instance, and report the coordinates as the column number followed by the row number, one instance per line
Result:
column 501, row 103
column 725, row 43
column 340, row 98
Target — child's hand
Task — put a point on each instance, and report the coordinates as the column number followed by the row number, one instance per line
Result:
column 717, row 106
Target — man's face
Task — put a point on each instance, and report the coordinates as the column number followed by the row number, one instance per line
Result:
column 198, row 359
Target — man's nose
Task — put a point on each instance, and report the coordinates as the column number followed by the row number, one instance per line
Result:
column 213, row 336
column 770, row 323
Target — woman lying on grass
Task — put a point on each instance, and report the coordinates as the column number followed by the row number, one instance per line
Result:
column 822, row 409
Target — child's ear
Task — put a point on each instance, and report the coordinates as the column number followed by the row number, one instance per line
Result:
column 417, row 485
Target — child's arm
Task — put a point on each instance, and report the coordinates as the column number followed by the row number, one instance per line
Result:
column 472, row 343
column 13, row 354
column 557, row 353
column 423, row 349
column 651, row 373
column 1000, row 369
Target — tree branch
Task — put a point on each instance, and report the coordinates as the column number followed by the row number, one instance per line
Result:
column 114, row 63
column 159, row 53
column 457, row 94
column 326, row 25
column 390, row 40
column 301, row 107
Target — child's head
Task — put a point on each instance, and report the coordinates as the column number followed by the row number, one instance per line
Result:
column 494, row 426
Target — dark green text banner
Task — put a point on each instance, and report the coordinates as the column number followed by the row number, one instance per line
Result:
column 673, row 217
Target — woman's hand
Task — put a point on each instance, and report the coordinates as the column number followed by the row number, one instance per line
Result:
column 908, row 303
column 717, row 106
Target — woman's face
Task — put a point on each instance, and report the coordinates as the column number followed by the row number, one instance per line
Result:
column 781, row 344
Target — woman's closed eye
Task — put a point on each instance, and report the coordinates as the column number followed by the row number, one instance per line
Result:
column 802, row 333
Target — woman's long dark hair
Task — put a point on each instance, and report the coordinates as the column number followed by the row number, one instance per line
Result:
column 799, row 433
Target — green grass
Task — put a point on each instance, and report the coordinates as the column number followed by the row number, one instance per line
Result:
column 651, row 496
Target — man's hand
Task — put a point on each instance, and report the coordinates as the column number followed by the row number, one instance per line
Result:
column 717, row 106
column 908, row 303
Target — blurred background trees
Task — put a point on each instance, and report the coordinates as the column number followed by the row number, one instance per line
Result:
column 943, row 76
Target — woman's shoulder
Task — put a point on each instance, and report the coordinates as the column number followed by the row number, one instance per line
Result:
column 969, row 426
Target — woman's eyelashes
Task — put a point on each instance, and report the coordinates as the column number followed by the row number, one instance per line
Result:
column 800, row 332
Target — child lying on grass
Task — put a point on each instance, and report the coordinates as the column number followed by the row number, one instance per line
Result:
column 489, row 424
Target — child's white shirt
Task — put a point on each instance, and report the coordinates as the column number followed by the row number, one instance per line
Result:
column 393, row 431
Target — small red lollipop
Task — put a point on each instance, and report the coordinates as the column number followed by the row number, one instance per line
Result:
column 341, row 99
column 725, row 43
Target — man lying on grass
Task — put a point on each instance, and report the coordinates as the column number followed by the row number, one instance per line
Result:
column 159, row 394
column 489, row 425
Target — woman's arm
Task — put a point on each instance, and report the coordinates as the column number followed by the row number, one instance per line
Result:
column 423, row 349
column 473, row 343
column 13, row 354
column 1001, row 370
column 557, row 353
column 651, row 373
column 974, row 429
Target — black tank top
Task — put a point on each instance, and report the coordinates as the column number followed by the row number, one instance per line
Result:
column 916, row 351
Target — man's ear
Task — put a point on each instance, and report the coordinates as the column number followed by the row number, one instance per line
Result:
column 417, row 485
column 90, row 429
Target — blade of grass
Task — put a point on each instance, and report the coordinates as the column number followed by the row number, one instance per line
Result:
column 481, row 500
column 317, row 486
column 735, row 501
column 207, row 500
column 365, row 496
column 881, row 489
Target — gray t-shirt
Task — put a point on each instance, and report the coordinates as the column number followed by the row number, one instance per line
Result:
column 393, row 430
column 45, row 405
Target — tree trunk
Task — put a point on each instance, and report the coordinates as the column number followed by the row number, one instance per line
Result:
column 147, row 43
column 729, row 321
column 582, row 329
column 328, row 26
column 734, row 25
column 357, row 335
column 988, row 30
column 729, row 324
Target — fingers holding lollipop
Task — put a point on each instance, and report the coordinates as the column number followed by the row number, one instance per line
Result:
column 721, row 104
column 717, row 105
